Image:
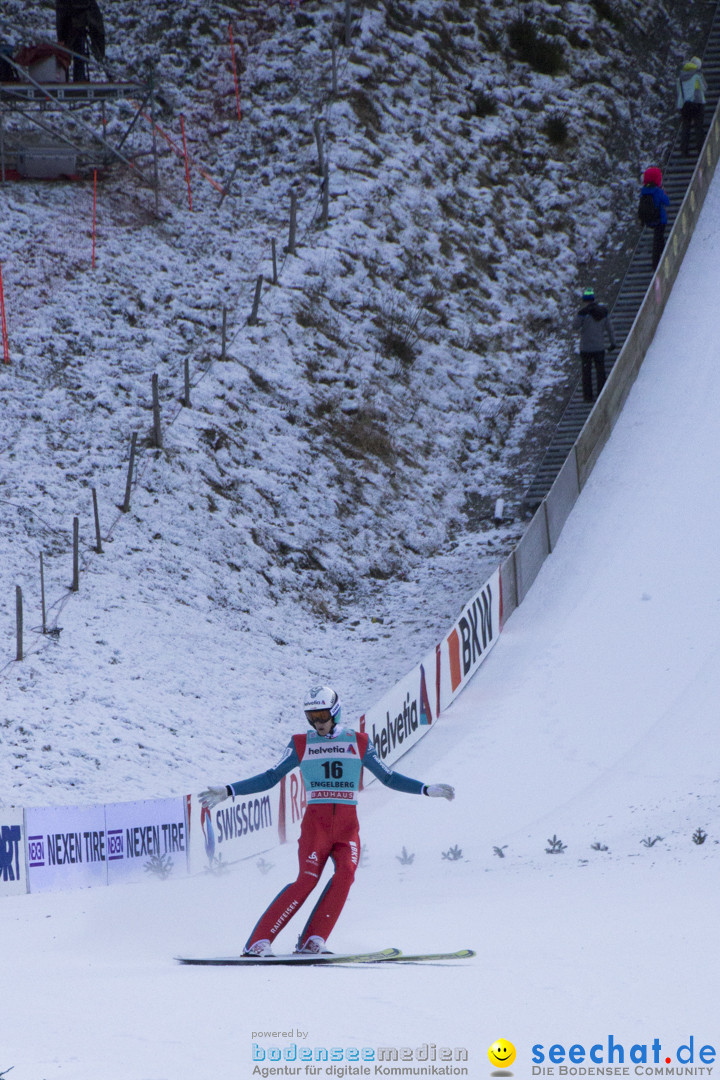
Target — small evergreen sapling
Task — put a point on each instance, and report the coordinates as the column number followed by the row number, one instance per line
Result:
column 556, row 847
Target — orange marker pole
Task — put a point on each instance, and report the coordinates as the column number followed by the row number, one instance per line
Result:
column 6, row 349
column 187, row 166
column 237, row 91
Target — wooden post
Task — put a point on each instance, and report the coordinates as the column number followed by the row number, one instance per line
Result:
column 126, row 504
column 333, row 48
column 186, row 398
column 98, row 538
column 76, row 555
column 252, row 321
column 237, row 89
column 42, row 593
column 274, row 260
column 319, row 144
column 348, row 24
column 94, row 215
column 325, row 195
column 293, row 221
column 157, row 433
column 224, row 334
column 19, row 622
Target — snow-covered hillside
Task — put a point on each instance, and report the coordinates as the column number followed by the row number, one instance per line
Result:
column 325, row 506
column 593, row 723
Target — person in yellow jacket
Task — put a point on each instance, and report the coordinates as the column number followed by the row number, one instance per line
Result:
column 691, row 91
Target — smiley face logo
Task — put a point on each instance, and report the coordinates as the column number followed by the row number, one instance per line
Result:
column 501, row 1053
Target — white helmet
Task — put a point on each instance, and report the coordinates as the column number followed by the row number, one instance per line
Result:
column 322, row 697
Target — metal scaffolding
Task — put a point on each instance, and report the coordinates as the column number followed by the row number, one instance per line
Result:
column 48, row 104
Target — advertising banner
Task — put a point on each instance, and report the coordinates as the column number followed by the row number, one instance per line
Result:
column 66, row 847
column 404, row 714
column 145, row 839
column 469, row 640
column 293, row 801
column 234, row 830
column 12, row 852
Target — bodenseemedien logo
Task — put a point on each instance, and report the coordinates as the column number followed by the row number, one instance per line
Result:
column 501, row 1055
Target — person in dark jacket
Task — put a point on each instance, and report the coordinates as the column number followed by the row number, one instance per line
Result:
column 79, row 23
column 593, row 322
column 652, row 184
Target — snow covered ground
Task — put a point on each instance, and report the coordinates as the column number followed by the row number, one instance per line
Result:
column 326, row 506
column 593, row 722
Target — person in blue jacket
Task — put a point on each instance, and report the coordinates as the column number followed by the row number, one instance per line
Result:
column 331, row 758
column 652, row 185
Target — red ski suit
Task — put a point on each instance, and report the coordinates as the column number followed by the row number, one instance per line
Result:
column 329, row 828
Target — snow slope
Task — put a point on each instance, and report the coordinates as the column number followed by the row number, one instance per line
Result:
column 594, row 720
column 326, row 506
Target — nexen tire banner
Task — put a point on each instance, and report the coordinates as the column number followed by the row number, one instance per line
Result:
column 404, row 714
column 66, row 847
column 237, row 828
column 12, row 852
column 145, row 839
column 469, row 640
column 72, row 847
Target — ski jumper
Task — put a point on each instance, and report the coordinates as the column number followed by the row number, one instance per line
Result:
column 330, row 766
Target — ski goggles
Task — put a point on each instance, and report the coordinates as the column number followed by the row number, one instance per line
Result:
column 318, row 716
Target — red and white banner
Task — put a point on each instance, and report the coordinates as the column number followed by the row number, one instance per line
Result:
column 469, row 640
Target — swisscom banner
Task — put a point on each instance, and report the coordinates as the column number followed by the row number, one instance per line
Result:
column 469, row 640
column 404, row 714
column 236, row 829
column 12, row 852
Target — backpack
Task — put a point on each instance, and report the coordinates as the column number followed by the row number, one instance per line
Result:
column 648, row 212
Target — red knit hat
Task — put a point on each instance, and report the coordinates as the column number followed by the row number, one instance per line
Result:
column 653, row 175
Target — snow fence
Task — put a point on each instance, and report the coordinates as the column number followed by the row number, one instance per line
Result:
column 78, row 846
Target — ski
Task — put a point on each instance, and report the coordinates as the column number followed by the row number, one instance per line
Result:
column 460, row 954
column 294, row 959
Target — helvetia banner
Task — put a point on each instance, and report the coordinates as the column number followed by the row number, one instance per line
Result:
column 404, row 714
